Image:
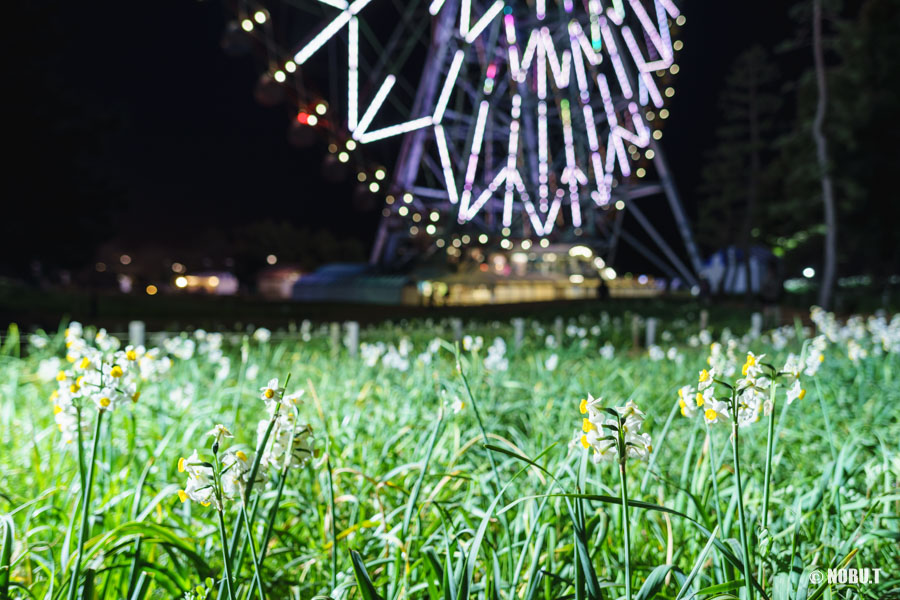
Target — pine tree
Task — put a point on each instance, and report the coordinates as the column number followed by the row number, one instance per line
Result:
column 732, row 179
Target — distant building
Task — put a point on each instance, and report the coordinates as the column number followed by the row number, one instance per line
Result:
column 277, row 282
column 217, row 283
column 479, row 275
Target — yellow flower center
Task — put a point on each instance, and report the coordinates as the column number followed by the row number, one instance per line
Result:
column 104, row 402
column 704, row 375
column 136, row 396
column 583, row 406
column 61, row 376
column 269, row 393
column 699, row 399
column 182, row 496
column 710, row 414
column 584, row 442
column 241, row 455
column 586, row 425
column 181, row 465
column 85, row 363
column 821, row 358
column 57, row 409
column 70, row 358
column 116, row 371
column 801, row 395
column 73, row 388
column 131, row 355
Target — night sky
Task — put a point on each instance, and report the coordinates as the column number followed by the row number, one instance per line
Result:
column 128, row 117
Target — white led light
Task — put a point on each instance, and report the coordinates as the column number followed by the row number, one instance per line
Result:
column 393, row 130
column 449, row 83
column 377, row 101
column 484, row 21
column 353, row 74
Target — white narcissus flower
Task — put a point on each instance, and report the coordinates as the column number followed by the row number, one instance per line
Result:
column 795, row 392
column 552, row 362
column 706, row 379
column 815, row 355
column 287, row 444
column 236, row 474
column 689, row 400
column 715, row 411
column 792, row 366
column 472, row 344
column 200, row 486
column 262, row 335
column 600, row 431
column 271, row 391
column 106, row 398
column 219, row 432
column 496, row 356
column 608, row 351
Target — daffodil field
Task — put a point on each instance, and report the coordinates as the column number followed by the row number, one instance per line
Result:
column 527, row 461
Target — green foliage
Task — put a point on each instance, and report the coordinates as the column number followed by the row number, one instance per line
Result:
column 414, row 495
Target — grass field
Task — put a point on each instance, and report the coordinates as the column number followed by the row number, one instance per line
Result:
column 419, row 468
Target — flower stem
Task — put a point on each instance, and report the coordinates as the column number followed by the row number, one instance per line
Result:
column 770, row 443
column 253, row 555
column 80, row 450
column 625, row 527
column 85, row 506
column 714, row 473
column 740, row 502
column 254, row 469
column 225, row 555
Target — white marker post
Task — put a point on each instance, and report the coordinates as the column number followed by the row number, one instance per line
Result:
column 636, row 331
column 335, row 330
column 756, row 323
column 136, row 333
column 519, row 329
column 352, row 339
column 650, row 333
column 456, row 324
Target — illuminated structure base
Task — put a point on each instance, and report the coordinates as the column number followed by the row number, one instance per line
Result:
column 502, row 170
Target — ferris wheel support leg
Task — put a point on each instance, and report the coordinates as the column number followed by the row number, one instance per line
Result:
column 649, row 255
column 684, row 228
column 414, row 141
column 380, row 241
column 614, row 239
column 411, row 150
column 667, row 250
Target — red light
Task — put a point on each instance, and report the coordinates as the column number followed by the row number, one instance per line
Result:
column 303, row 118
column 483, row 267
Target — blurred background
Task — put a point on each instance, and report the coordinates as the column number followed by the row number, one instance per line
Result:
column 164, row 162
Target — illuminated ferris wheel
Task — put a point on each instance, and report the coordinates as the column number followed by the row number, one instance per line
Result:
column 507, row 120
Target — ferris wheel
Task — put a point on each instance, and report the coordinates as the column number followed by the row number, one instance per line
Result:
column 508, row 120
